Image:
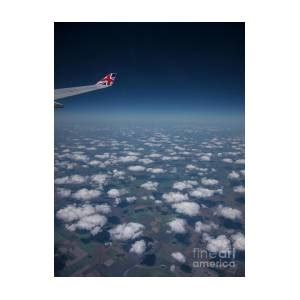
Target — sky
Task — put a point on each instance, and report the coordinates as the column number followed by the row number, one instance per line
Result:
column 188, row 71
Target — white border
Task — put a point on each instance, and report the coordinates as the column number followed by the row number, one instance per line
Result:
column 272, row 156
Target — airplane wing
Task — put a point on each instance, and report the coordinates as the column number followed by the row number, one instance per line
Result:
column 105, row 82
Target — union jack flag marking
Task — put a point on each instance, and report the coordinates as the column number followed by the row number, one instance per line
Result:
column 107, row 80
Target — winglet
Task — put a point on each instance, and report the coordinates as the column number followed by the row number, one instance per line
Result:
column 107, row 80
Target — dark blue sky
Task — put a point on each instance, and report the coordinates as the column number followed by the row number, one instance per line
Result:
column 188, row 70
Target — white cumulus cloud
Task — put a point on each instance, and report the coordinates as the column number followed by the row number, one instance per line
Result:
column 228, row 212
column 239, row 189
column 186, row 184
column 92, row 223
column 191, row 167
column 94, row 162
column 187, row 208
column 146, row 161
column 78, row 156
column 178, row 256
column 113, row 193
column 227, row 160
column 131, row 199
column 138, row 247
column 63, row 193
column 233, row 175
column 74, row 179
column 208, row 181
column 178, row 225
column 155, row 155
column 174, row 197
column 129, row 158
column 155, row 170
column 85, row 194
column 102, row 156
column 136, row 168
column 118, row 174
column 150, row 185
column 238, row 241
column 100, row 179
column 240, row 161
column 103, row 208
column 205, row 157
column 126, row 231
column 84, row 217
column 204, row 192
column 220, row 244
column 201, row 227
